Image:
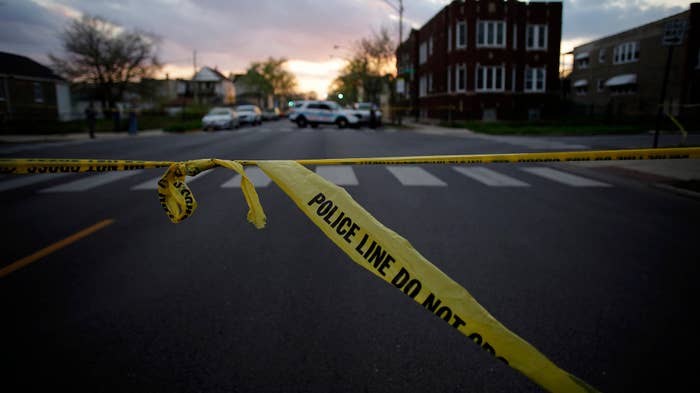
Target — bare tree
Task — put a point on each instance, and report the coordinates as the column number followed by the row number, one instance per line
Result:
column 365, row 73
column 107, row 56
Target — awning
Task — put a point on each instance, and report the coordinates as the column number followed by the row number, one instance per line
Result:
column 582, row 55
column 624, row 79
column 581, row 82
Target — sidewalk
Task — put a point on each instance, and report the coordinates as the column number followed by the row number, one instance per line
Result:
column 681, row 176
column 76, row 136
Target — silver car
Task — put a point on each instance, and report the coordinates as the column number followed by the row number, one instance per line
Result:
column 249, row 114
column 220, row 118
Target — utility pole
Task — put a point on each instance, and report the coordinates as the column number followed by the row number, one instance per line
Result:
column 398, row 9
column 673, row 36
column 195, row 87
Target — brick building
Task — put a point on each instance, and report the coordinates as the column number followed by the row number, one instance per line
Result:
column 622, row 74
column 483, row 60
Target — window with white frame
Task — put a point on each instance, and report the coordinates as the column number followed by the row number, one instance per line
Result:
column 422, row 86
column 490, row 78
column 491, row 33
column 536, row 37
column 601, row 55
column 423, row 53
column 461, row 77
column 449, row 38
column 535, row 79
column 38, row 92
column 430, row 46
column 461, row 35
column 626, row 53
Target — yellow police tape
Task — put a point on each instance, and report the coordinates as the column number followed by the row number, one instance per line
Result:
column 364, row 239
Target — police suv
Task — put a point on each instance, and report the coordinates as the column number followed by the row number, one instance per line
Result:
column 321, row 112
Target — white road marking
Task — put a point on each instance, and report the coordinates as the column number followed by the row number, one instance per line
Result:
column 152, row 184
column 91, row 182
column 339, row 175
column 25, row 180
column 415, row 176
column 564, row 178
column 256, row 176
column 490, row 177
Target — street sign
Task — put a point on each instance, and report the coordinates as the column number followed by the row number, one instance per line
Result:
column 400, row 86
column 673, row 33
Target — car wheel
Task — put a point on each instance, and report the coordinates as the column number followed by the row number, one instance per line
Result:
column 301, row 122
column 342, row 122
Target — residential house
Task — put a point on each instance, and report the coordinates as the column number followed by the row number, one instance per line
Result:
column 483, row 60
column 623, row 74
column 209, row 87
column 31, row 92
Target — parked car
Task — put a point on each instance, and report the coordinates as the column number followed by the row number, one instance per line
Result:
column 220, row 118
column 363, row 110
column 249, row 114
column 271, row 114
column 322, row 112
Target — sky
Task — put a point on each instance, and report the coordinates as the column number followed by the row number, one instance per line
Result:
column 314, row 35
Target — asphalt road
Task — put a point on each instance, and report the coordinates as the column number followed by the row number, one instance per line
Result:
column 598, row 273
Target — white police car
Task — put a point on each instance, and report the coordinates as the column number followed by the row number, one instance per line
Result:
column 321, row 112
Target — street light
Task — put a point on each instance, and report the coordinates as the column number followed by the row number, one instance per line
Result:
column 398, row 9
column 340, row 96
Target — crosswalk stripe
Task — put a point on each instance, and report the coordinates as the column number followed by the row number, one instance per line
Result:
column 26, row 180
column 564, row 178
column 256, row 176
column 339, row 175
column 490, row 177
column 415, row 176
column 152, row 184
column 90, row 182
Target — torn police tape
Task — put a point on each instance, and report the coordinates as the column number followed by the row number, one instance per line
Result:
column 364, row 239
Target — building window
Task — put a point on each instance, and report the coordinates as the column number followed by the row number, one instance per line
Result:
column 581, row 60
column 461, row 35
column 601, row 85
column 422, row 86
column 423, row 53
column 581, row 87
column 535, row 79
column 449, row 79
column 626, row 53
column 513, row 79
column 461, row 78
column 490, row 78
column 2, row 90
column 449, row 38
column 430, row 46
column 515, row 36
column 491, row 33
column 536, row 37
column 623, row 89
column 38, row 92
column 601, row 55
column 430, row 83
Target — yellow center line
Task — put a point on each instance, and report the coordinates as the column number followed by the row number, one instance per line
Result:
column 54, row 247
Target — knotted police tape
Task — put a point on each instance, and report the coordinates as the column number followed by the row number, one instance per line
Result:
column 365, row 240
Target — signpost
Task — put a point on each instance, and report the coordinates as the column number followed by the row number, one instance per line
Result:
column 673, row 36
